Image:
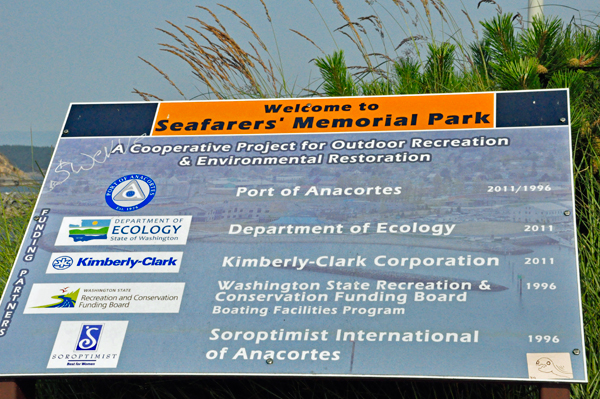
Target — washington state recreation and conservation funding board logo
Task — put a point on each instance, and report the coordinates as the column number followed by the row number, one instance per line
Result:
column 131, row 192
column 65, row 299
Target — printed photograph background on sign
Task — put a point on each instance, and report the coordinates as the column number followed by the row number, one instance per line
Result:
column 451, row 189
column 457, row 181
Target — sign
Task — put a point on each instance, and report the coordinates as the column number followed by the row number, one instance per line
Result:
column 405, row 236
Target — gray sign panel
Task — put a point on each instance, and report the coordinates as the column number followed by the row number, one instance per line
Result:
column 415, row 253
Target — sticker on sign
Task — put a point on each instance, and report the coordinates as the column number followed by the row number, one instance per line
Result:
column 105, row 298
column 549, row 366
column 88, row 344
column 141, row 230
column 114, row 262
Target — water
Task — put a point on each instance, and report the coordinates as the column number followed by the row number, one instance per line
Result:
column 505, row 319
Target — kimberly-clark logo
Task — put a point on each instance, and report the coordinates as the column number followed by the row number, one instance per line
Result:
column 89, row 337
column 131, row 192
column 61, row 262
column 107, row 230
column 88, row 344
column 114, row 262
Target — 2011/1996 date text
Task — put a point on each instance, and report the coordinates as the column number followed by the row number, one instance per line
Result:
column 516, row 189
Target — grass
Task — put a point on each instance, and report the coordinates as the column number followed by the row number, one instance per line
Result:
column 588, row 215
column 15, row 212
column 276, row 388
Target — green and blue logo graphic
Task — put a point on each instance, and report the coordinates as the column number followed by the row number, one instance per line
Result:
column 90, row 229
column 66, row 300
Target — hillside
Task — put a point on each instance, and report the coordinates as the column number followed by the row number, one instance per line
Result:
column 8, row 171
column 20, row 156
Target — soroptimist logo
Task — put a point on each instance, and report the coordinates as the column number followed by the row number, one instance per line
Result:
column 131, row 192
column 89, row 337
column 88, row 344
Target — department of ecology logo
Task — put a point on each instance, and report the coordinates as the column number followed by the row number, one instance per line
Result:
column 124, row 230
column 90, row 229
column 89, row 337
column 131, row 192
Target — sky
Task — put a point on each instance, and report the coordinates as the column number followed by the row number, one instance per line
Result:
column 56, row 53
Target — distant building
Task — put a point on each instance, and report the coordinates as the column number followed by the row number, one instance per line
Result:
column 230, row 185
column 541, row 212
column 235, row 210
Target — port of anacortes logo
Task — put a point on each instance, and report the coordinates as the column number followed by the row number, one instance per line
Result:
column 131, row 192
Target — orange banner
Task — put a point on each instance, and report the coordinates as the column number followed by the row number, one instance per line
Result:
column 314, row 115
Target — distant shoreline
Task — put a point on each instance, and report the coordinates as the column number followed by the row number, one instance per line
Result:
column 44, row 138
column 455, row 243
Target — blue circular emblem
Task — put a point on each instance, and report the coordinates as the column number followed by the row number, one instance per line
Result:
column 62, row 262
column 131, row 192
